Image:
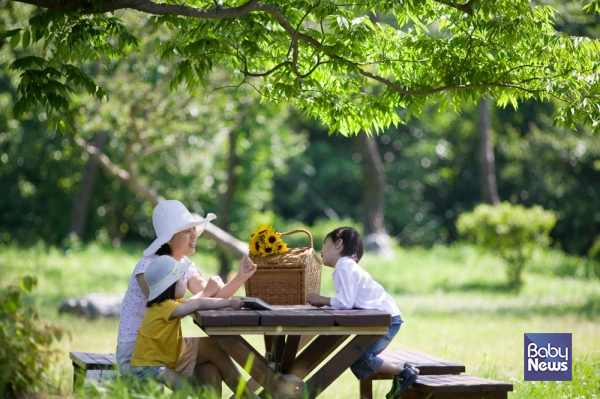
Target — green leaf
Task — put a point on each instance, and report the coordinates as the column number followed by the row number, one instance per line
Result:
column 9, row 33
column 15, row 40
column 26, row 39
column 12, row 301
column 27, row 283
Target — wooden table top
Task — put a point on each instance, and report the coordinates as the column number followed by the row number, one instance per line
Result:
column 293, row 319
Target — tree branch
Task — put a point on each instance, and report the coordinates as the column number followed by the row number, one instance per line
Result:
column 223, row 239
column 86, row 7
column 467, row 8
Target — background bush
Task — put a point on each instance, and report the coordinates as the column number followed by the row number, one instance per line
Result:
column 510, row 231
column 26, row 355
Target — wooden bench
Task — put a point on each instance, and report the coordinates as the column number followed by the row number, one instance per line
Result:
column 92, row 366
column 427, row 365
column 456, row 386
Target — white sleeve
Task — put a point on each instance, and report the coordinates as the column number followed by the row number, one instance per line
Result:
column 345, row 288
column 191, row 271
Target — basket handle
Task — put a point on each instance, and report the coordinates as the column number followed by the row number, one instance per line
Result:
column 300, row 231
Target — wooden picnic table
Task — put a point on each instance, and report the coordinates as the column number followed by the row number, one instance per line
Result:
column 285, row 368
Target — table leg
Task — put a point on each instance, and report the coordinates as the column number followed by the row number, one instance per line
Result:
column 241, row 351
column 268, row 344
column 277, row 350
column 289, row 355
column 338, row 364
column 315, row 353
column 366, row 388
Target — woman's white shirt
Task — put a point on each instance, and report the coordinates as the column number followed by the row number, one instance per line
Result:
column 356, row 289
column 134, row 302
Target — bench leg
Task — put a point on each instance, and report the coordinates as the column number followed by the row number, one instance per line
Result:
column 366, row 388
column 78, row 377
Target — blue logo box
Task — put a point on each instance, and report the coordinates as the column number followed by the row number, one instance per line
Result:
column 548, row 357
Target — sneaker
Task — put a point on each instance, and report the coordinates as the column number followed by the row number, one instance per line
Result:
column 396, row 386
column 402, row 381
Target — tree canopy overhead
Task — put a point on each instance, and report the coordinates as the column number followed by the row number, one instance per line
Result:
column 350, row 64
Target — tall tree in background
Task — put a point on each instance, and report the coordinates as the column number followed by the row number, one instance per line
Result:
column 376, row 238
column 486, row 155
column 81, row 203
column 226, row 206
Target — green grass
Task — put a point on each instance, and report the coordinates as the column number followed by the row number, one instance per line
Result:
column 455, row 303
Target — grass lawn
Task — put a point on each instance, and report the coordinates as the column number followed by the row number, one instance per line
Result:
column 454, row 300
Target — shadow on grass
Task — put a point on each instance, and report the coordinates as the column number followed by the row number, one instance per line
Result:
column 588, row 308
column 482, row 287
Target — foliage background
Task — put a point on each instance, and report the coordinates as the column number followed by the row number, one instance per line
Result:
column 288, row 165
column 291, row 173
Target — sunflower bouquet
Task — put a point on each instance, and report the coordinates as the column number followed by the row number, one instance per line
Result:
column 264, row 241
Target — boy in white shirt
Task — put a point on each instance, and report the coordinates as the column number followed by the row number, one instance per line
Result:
column 355, row 288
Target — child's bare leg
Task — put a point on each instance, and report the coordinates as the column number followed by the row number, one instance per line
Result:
column 392, row 368
column 208, row 375
column 209, row 351
column 171, row 379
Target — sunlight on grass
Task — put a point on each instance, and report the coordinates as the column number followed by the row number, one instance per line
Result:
column 455, row 302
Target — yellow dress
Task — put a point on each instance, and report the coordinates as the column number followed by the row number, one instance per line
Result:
column 159, row 339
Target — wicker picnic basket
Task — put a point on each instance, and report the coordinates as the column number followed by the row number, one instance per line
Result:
column 285, row 279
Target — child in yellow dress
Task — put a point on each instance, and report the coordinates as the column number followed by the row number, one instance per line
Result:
column 158, row 344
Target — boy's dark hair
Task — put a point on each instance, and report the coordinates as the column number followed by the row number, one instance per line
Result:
column 169, row 293
column 165, row 249
column 351, row 240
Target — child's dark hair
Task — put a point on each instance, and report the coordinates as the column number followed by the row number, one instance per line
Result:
column 169, row 293
column 351, row 240
column 165, row 249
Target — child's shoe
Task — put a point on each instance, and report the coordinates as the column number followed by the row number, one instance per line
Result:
column 402, row 381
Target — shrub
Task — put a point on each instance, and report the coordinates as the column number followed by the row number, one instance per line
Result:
column 510, row 231
column 25, row 343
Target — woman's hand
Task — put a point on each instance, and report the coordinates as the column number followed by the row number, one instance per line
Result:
column 247, row 267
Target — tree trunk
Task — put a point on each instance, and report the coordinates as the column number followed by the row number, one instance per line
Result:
column 375, row 237
column 227, row 199
column 486, row 155
column 81, row 203
column 225, row 241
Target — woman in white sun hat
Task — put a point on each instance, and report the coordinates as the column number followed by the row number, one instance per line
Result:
column 176, row 233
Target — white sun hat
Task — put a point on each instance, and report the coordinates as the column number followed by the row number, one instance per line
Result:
column 170, row 217
column 162, row 273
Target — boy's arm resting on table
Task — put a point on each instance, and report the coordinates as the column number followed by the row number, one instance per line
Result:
column 317, row 300
column 193, row 304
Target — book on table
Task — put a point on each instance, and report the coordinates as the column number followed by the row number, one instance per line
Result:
column 255, row 303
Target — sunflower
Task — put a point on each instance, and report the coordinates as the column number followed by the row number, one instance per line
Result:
column 255, row 246
column 282, row 247
column 265, row 241
column 268, row 250
column 271, row 237
column 261, row 230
